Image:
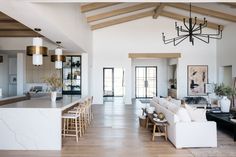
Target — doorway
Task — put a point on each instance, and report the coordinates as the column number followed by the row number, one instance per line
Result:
column 113, row 82
column 145, row 81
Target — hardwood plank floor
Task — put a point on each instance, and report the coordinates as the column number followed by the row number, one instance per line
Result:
column 115, row 132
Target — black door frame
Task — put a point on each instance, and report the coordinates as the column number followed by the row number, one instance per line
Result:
column 145, row 80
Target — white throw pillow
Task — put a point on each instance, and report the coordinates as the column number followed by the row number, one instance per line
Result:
column 162, row 101
column 172, row 107
column 175, row 101
column 196, row 114
column 183, row 115
column 156, row 99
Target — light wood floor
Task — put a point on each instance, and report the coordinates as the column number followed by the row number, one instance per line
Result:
column 115, row 132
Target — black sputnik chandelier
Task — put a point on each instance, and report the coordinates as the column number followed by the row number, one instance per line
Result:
column 193, row 30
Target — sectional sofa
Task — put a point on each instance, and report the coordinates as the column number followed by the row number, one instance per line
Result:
column 187, row 127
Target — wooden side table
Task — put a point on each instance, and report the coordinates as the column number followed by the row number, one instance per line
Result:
column 159, row 129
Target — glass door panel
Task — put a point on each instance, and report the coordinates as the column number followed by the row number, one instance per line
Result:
column 145, row 81
column 108, row 83
column 118, row 82
column 140, row 82
column 151, row 81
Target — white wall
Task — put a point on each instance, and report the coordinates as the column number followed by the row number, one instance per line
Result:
column 111, row 46
column 226, row 51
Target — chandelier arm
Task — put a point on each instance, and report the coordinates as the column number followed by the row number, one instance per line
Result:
column 166, row 41
column 184, row 30
column 202, row 39
column 185, row 24
column 217, row 34
column 175, row 44
column 195, row 22
column 212, row 37
column 203, row 25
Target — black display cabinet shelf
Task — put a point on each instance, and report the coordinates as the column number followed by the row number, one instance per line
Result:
column 71, row 74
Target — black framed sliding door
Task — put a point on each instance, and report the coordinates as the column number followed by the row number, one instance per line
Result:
column 145, row 81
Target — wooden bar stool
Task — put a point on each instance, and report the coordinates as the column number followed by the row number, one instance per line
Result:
column 83, row 113
column 72, row 124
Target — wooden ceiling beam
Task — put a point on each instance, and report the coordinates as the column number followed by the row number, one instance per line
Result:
column 122, row 20
column 146, row 14
column 12, row 26
column 204, row 11
column 4, row 16
column 154, row 55
column 158, row 10
column 18, row 34
column 181, row 17
column 8, row 30
column 93, row 6
column 232, row 5
column 121, row 11
column 8, row 21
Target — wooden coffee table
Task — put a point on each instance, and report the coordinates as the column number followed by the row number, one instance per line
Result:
column 159, row 128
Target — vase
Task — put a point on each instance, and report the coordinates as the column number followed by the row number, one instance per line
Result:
column 225, row 104
column 53, row 96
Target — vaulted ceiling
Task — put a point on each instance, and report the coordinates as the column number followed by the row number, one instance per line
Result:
column 101, row 15
column 12, row 28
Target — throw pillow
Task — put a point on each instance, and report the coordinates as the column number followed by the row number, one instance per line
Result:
column 197, row 115
column 156, row 99
column 172, row 107
column 183, row 115
column 176, row 102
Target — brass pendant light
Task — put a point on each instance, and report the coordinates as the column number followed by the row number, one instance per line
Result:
column 58, row 58
column 37, row 50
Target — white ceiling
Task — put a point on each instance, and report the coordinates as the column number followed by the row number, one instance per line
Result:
column 53, row 34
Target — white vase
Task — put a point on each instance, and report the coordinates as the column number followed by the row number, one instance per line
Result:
column 225, row 104
column 53, row 96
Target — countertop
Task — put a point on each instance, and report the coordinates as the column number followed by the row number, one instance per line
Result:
column 45, row 102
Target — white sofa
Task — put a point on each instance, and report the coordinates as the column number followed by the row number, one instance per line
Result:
column 186, row 134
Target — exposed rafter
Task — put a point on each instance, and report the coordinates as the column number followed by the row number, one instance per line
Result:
column 146, row 14
column 204, row 11
column 17, row 33
column 121, row 11
column 154, row 55
column 12, row 28
column 122, row 20
column 232, row 5
column 94, row 6
column 158, row 10
column 181, row 17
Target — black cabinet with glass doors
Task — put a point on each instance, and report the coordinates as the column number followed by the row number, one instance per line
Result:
column 71, row 75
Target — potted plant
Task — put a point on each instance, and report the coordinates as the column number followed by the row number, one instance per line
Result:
column 224, row 91
column 55, row 83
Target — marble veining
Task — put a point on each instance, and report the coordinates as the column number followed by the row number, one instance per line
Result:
column 33, row 124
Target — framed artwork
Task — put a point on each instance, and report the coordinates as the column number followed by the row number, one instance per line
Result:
column 197, row 78
column 13, row 79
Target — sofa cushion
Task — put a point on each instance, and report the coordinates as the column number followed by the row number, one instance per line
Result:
column 156, row 99
column 197, row 115
column 183, row 115
column 175, row 101
column 172, row 107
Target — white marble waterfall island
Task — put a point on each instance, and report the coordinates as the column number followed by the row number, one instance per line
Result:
column 33, row 124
